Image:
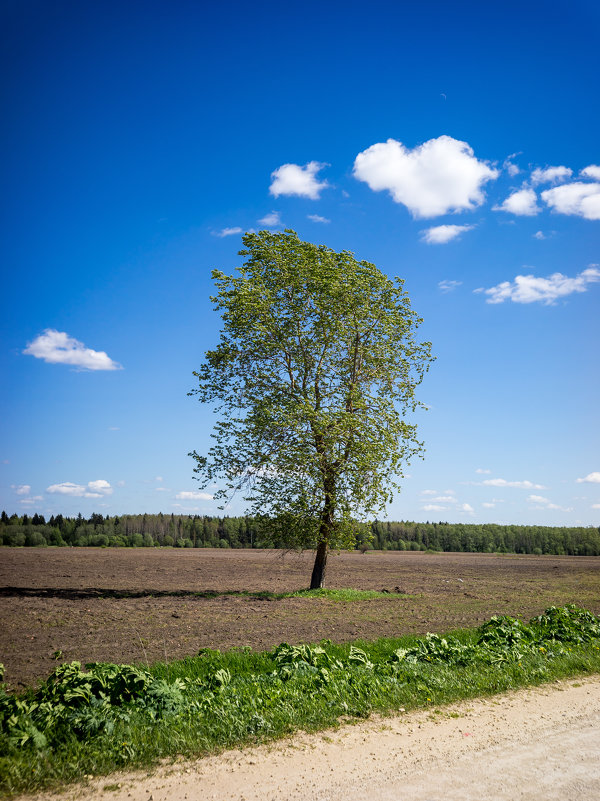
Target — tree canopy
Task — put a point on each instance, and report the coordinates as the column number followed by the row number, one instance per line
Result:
column 316, row 368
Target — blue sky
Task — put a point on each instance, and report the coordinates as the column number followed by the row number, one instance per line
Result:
column 454, row 145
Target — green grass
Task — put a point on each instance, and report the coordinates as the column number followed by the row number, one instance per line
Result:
column 94, row 722
column 343, row 595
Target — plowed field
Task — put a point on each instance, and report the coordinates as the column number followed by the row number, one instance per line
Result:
column 133, row 605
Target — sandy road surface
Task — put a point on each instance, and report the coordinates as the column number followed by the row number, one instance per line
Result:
column 540, row 744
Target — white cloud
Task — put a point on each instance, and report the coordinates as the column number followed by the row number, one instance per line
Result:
column 100, row 486
column 539, row 235
column 591, row 478
column 448, row 286
column 432, row 507
column 291, row 179
column 482, row 470
column 596, row 506
column 537, row 499
column 550, row 175
column 428, row 492
column 32, row 500
column 508, row 165
column 466, row 507
column 437, row 177
column 579, row 199
column 529, row 289
column 160, row 489
column 522, row 202
column 194, row 495
column 228, row 232
column 94, row 489
column 440, row 234
column 502, row 482
column 273, row 218
column 22, row 489
column 159, row 478
column 487, row 505
column 316, row 218
column 593, row 171
column 547, row 504
column 444, row 499
column 57, row 347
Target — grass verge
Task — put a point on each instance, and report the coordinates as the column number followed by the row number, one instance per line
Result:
column 109, row 717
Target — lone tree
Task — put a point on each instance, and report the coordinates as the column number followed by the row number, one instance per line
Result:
column 316, row 368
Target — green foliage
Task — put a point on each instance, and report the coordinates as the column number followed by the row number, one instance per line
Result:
column 249, row 532
column 316, row 367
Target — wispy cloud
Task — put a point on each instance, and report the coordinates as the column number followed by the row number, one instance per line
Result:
column 271, row 219
column 502, row 482
column 530, row 289
column 448, row 286
column 57, row 347
column 21, row 489
column 228, row 232
column 482, row 471
column 193, row 495
column 437, row 177
column 440, row 234
column 292, row 179
column 545, row 503
column 509, row 166
column 316, row 218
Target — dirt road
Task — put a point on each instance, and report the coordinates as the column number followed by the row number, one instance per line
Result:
column 534, row 745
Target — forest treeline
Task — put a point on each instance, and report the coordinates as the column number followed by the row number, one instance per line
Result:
column 197, row 531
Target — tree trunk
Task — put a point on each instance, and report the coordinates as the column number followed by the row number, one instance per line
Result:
column 318, row 574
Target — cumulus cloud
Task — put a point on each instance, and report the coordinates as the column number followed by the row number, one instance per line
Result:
column 57, row 347
column 94, row 489
column 21, row 489
column 448, row 286
column 428, row 492
column 292, row 179
column 539, row 235
column 593, row 171
column 437, row 177
column 550, row 175
column 522, row 202
column 579, row 199
column 466, row 507
column 273, row 218
column 316, row 218
column 193, row 495
column 529, row 289
column 228, row 232
column 502, row 482
column 591, row 478
column 440, row 234
column 433, row 507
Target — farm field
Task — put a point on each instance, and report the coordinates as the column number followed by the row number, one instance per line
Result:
column 52, row 599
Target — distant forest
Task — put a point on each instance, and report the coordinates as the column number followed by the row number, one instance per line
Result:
column 196, row 531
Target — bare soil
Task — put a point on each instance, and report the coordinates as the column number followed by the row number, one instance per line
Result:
column 137, row 605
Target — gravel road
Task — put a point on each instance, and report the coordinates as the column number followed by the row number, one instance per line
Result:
column 532, row 745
